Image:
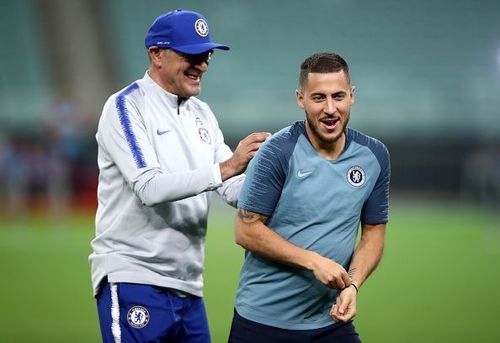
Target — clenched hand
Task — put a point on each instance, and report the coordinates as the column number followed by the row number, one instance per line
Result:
column 329, row 273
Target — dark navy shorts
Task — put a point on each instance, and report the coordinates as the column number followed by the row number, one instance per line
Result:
column 247, row 331
column 143, row 313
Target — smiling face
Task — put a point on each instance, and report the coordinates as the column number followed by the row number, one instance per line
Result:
column 326, row 99
column 178, row 73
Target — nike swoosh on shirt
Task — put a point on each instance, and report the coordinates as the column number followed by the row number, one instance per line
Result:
column 161, row 132
column 301, row 174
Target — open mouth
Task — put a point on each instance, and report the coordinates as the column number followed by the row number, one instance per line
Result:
column 330, row 123
column 195, row 76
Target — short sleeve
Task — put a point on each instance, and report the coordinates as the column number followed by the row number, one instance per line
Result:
column 267, row 173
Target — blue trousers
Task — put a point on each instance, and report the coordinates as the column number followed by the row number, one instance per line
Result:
column 144, row 313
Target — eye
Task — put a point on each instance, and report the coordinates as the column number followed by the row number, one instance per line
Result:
column 339, row 96
column 317, row 98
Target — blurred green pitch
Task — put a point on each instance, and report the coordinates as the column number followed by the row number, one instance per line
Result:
column 438, row 281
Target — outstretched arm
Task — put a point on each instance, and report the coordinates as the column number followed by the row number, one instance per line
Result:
column 252, row 234
column 365, row 259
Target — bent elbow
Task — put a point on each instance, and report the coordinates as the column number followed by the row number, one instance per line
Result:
column 147, row 197
column 241, row 242
column 240, row 237
column 149, row 202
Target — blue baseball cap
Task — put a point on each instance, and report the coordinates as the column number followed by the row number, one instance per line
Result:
column 183, row 31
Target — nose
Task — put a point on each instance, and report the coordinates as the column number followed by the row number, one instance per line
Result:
column 202, row 66
column 330, row 107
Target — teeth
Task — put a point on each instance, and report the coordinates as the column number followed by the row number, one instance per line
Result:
column 192, row 75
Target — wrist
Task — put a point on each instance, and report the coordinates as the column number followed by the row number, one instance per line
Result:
column 226, row 170
column 356, row 287
column 229, row 169
column 309, row 260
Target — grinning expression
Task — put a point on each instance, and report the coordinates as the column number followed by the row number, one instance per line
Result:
column 181, row 74
column 326, row 99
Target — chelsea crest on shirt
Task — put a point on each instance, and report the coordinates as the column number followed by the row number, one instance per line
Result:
column 356, row 176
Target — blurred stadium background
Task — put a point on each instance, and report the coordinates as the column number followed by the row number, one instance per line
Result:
column 428, row 84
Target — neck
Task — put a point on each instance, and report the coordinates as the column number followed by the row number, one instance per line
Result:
column 155, row 76
column 329, row 150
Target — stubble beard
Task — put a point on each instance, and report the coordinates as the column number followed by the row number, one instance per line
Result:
column 324, row 140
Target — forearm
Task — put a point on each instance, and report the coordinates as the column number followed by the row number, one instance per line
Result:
column 155, row 186
column 367, row 254
column 229, row 169
column 256, row 237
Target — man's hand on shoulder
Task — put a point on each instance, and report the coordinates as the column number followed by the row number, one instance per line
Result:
column 244, row 152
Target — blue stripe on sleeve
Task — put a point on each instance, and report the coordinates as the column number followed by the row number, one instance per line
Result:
column 121, row 107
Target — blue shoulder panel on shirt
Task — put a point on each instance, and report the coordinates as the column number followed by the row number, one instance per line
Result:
column 121, row 107
column 377, row 147
column 376, row 209
column 267, row 171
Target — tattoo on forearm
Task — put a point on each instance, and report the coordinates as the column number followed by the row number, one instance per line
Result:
column 351, row 272
column 248, row 217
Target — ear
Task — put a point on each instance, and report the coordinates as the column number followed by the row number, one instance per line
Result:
column 155, row 56
column 353, row 97
column 300, row 98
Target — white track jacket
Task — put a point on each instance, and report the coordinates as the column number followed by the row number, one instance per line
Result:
column 158, row 163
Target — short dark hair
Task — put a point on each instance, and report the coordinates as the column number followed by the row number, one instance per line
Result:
column 322, row 62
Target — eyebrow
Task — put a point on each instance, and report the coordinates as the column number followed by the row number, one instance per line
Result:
column 324, row 93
